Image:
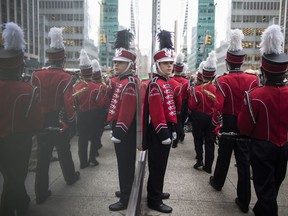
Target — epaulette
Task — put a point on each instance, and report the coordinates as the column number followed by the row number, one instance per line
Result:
column 132, row 80
column 154, row 82
column 32, row 99
column 248, row 102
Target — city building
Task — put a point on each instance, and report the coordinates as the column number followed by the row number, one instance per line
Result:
column 283, row 21
column 205, row 29
column 26, row 15
column 72, row 16
column 109, row 25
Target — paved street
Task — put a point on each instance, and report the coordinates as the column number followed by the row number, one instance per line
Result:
column 190, row 192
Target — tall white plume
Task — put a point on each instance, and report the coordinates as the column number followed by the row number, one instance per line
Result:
column 180, row 58
column 235, row 40
column 95, row 65
column 84, row 59
column 200, row 69
column 13, row 37
column 272, row 40
column 56, row 38
column 211, row 60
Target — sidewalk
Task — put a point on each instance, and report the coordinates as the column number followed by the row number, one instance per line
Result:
column 190, row 191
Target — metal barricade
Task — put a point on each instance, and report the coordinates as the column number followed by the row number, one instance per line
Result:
column 134, row 205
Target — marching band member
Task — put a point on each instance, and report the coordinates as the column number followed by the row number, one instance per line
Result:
column 55, row 90
column 201, row 105
column 178, row 70
column 87, row 98
column 159, row 119
column 263, row 118
column 122, row 114
column 20, row 118
column 230, row 91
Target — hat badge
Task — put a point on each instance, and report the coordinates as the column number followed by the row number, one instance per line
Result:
column 118, row 52
column 168, row 53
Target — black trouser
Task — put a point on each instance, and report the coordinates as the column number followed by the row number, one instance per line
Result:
column 15, row 151
column 202, row 132
column 182, row 118
column 157, row 162
column 90, row 126
column 46, row 142
column 241, row 152
column 269, row 163
column 126, row 158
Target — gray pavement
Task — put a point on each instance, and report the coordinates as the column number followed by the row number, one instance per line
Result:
column 190, row 191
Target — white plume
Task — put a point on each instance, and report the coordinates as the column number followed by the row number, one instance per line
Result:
column 56, row 38
column 272, row 40
column 236, row 37
column 95, row 65
column 200, row 69
column 180, row 58
column 13, row 37
column 211, row 60
column 84, row 59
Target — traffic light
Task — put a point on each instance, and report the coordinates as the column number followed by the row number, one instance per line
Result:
column 102, row 38
column 208, row 40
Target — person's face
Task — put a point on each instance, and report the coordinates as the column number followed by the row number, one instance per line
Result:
column 120, row 66
column 166, row 67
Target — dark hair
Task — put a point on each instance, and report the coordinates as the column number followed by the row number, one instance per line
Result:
column 273, row 78
column 234, row 66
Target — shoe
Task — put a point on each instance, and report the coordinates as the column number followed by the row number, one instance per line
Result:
column 198, row 165
column 74, row 179
column 161, row 208
column 165, row 196
column 118, row 206
column 118, row 194
column 207, row 169
column 41, row 199
column 213, row 184
column 93, row 162
column 241, row 206
column 83, row 166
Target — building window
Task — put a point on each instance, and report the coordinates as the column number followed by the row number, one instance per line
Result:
column 247, row 44
column 248, row 31
column 259, row 31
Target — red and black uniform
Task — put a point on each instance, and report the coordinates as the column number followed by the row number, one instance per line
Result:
column 20, row 117
column 200, row 106
column 264, row 119
column 159, row 105
column 122, row 114
column 90, row 105
column 55, row 95
column 229, row 100
column 177, row 96
column 184, row 111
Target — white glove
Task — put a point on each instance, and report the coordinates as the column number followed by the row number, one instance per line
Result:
column 115, row 140
column 174, row 136
column 166, row 142
column 111, row 132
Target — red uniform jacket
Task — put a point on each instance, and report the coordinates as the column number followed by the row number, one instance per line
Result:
column 123, row 104
column 264, row 114
column 199, row 101
column 177, row 94
column 230, row 91
column 93, row 97
column 55, row 90
column 159, row 105
column 185, row 85
column 20, row 110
